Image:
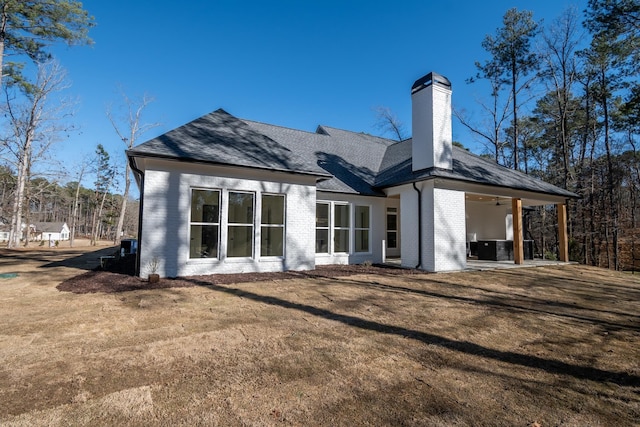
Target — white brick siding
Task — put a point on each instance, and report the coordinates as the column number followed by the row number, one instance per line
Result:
column 167, row 203
column 431, row 127
column 446, row 248
column 443, row 227
column 377, row 229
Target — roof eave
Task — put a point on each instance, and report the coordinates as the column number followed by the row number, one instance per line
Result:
column 132, row 154
column 566, row 194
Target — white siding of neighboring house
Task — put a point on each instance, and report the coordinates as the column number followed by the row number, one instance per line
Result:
column 63, row 234
column 166, row 214
column 377, row 229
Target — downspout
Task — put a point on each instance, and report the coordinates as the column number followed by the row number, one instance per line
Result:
column 419, row 225
column 140, row 206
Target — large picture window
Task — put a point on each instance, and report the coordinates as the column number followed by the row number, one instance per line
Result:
column 362, row 229
column 204, row 223
column 272, row 225
column 322, row 228
column 341, row 224
column 240, row 224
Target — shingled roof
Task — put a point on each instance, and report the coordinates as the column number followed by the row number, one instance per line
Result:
column 220, row 138
column 344, row 162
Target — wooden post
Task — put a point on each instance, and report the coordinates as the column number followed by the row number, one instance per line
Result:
column 562, row 232
column 518, row 246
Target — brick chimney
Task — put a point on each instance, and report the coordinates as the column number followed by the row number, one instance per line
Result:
column 431, row 122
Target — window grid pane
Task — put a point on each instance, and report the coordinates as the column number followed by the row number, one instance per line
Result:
column 240, row 208
column 362, row 229
column 322, row 215
column 239, row 241
column 322, row 228
column 322, row 241
column 272, row 241
column 272, row 230
column 205, row 206
column 362, row 216
column 341, row 216
column 362, row 241
column 240, row 227
column 272, row 210
column 204, row 241
column 204, row 228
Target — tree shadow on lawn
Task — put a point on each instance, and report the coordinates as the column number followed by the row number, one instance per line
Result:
column 108, row 282
column 84, row 261
column 510, row 302
column 67, row 257
column 549, row 366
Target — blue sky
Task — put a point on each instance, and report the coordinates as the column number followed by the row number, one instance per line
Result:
column 291, row 63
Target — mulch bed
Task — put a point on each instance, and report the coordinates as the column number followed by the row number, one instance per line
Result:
column 118, row 277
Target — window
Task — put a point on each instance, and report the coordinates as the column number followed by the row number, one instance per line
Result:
column 204, row 222
column 240, row 225
column 322, row 228
column 362, row 229
column 272, row 226
column 392, row 228
column 341, row 224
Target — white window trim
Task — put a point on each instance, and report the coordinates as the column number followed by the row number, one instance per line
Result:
column 228, row 225
column 219, row 223
column 386, row 224
column 349, row 228
column 328, row 228
column 258, row 238
column 369, row 249
column 352, row 228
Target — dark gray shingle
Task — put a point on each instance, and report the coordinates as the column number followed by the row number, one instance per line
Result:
column 347, row 162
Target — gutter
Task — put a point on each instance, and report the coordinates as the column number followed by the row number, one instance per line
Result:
column 419, row 225
column 140, row 174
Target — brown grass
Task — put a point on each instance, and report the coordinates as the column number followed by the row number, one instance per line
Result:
column 552, row 345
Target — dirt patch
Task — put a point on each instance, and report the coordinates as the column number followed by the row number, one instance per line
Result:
column 553, row 346
column 118, row 277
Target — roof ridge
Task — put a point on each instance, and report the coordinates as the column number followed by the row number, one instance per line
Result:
column 249, row 122
column 362, row 133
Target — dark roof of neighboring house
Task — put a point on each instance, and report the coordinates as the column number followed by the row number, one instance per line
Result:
column 351, row 162
column 49, row 227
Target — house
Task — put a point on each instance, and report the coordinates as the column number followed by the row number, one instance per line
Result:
column 4, row 232
column 225, row 195
column 49, row 231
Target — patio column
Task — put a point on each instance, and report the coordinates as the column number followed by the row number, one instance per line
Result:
column 562, row 232
column 518, row 247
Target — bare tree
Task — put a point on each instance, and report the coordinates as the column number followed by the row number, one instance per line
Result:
column 105, row 173
column 560, row 72
column 84, row 165
column 497, row 110
column 388, row 123
column 129, row 128
column 511, row 62
column 31, row 130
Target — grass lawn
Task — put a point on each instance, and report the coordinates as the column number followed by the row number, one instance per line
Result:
column 548, row 346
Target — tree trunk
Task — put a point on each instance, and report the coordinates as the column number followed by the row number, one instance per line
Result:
column 3, row 36
column 123, row 207
column 515, row 113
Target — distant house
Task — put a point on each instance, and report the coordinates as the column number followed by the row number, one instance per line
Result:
column 4, row 233
column 49, row 231
column 224, row 195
